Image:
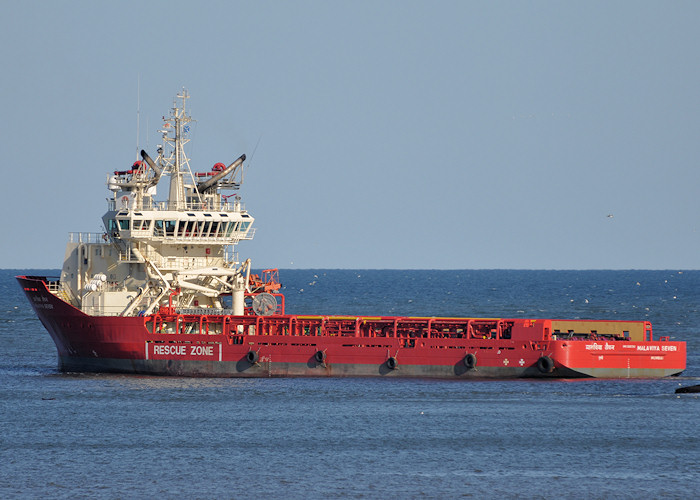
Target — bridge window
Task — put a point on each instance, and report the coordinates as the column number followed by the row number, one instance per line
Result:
column 170, row 227
column 191, row 228
column 231, row 228
column 123, row 224
column 158, row 228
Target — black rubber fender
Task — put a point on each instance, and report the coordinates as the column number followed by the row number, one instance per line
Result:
column 252, row 357
column 392, row 363
column 320, row 356
column 470, row 361
column 545, row 364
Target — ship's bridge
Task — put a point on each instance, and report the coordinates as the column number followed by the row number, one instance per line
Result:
column 188, row 227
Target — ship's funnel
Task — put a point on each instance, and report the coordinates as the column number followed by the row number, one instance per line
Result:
column 203, row 186
column 151, row 163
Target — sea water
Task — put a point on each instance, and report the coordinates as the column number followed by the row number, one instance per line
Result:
column 119, row 436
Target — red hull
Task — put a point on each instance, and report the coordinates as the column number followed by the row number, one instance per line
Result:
column 289, row 345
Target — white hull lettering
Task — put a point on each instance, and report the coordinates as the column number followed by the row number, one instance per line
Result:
column 199, row 350
column 648, row 348
column 169, row 350
column 162, row 351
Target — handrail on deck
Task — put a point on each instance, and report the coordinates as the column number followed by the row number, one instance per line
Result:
column 165, row 206
column 86, row 237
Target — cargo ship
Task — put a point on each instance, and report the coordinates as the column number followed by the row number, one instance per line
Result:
column 161, row 291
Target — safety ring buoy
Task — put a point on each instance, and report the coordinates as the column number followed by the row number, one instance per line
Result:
column 392, row 363
column 545, row 364
column 470, row 361
column 252, row 357
column 320, row 356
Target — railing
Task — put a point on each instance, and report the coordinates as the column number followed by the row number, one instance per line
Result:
column 53, row 283
column 198, row 311
column 230, row 257
column 87, row 238
column 409, row 331
column 61, row 290
column 128, row 256
column 163, row 206
column 102, row 238
column 180, row 263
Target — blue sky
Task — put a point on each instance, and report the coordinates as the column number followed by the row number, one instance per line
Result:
column 451, row 135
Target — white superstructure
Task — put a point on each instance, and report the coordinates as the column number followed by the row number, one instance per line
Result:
column 179, row 251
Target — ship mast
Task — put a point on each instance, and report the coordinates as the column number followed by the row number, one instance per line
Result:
column 177, row 164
